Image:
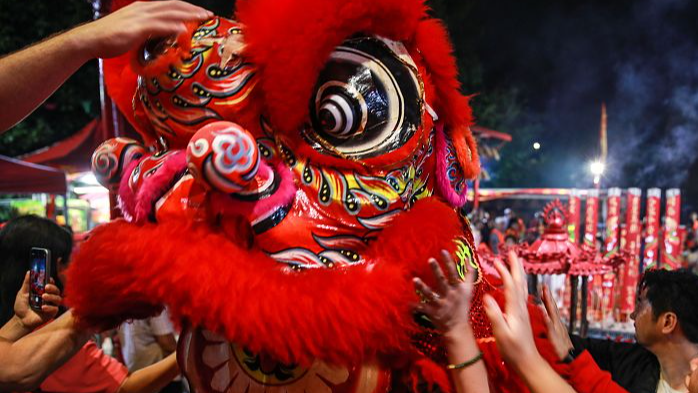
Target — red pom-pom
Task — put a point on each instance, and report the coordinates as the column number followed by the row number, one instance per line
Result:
column 111, row 158
column 223, row 156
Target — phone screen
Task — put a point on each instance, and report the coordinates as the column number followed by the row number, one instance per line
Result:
column 38, row 276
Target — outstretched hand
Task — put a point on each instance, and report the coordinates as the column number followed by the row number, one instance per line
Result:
column 131, row 26
column 448, row 305
column 29, row 318
column 512, row 328
column 557, row 332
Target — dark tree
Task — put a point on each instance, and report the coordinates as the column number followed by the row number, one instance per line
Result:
column 26, row 22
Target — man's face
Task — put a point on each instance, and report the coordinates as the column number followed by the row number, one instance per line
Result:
column 646, row 326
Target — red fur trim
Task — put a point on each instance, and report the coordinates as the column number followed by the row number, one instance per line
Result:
column 290, row 41
column 466, row 151
column 125, row 196
column 140, row 205
column 121, row 83
column 432, row 40
column 426, row 371
column 452, row 107
column 341, row 316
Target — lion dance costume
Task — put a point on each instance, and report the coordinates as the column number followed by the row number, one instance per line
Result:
column 301, row 163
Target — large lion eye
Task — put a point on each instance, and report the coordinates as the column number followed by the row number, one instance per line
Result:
column 367, row 101
column 342, row 111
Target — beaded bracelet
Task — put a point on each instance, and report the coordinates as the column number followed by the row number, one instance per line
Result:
column 466, row 363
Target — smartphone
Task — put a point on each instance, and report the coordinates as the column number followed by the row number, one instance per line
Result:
column 39, row 276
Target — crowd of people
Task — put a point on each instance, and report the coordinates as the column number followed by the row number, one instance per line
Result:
column 494, row 231
column 48, row 350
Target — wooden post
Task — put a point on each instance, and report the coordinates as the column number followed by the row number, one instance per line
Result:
column 584, row 326
column 573, row 303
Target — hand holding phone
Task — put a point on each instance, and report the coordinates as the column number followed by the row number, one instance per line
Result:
column 38, row 300
column 39, row 276
column 29, row 318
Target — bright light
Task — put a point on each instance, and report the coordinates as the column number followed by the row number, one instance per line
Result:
column 536, row 145
column 90, row 190
column 88, row 179
column 597, row 168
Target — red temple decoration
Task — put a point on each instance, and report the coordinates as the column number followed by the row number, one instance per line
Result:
column 553, row 253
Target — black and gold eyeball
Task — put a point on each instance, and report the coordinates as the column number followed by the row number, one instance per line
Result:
column 368, row 99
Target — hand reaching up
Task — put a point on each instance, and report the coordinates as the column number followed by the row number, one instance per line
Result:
column 132, row 25
column 513, row 333
column 557, row 332
column 512, row 328
column 448, row 305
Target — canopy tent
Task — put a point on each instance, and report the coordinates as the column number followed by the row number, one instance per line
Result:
column 71, row 154
column 20, row 177
column 486, row 133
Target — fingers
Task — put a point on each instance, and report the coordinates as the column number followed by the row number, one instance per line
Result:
column 550, row 306
column 518, row 274
column 48, row 311
column 172, row 17
column 51, row 299
column 441, row 282
column 424, row 308
column 494, row 313
column 450, row 267
column 52, row 289
column 25, row 284
column 425, row 290
column 509, row 291
column 163, row 29
column 544, row 309
column 469, row 278
column 182, row 6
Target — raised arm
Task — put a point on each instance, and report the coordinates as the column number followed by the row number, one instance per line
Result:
column 30, row 76
column 26, row 319
column 27, row 361
column 512, row 330
column 448, row 307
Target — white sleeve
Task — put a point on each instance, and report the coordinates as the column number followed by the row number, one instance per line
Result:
column 161, row 324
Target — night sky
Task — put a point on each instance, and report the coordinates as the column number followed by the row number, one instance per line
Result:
column 567, row 57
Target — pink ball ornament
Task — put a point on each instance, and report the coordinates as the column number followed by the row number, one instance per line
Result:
column 223, row 156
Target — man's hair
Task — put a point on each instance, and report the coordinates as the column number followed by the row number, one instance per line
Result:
column 17, row 238
column 674, row 291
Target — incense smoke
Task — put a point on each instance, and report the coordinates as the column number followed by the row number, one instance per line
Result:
column 639, row 57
